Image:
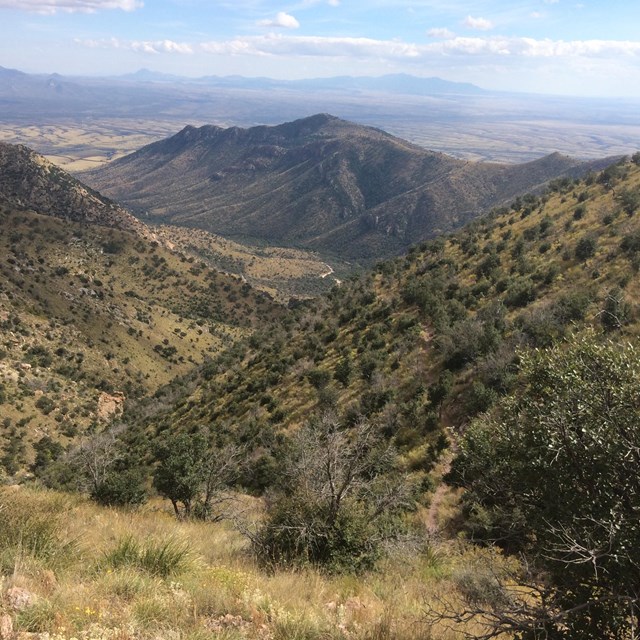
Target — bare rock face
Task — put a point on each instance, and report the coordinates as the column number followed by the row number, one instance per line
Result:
column 110, row 406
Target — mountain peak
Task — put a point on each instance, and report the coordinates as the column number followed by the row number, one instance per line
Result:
column 318, row 120
column 309, row 125
column 318, row 182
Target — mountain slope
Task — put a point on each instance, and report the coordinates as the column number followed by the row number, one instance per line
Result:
column 320, row 182
column 30, row 181
column 94, row 312
column 429, row 340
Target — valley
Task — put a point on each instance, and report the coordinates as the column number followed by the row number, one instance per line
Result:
column 283, row 273
column 230, row 398
column 83, row 122
column 319, row 362
column 83, row 144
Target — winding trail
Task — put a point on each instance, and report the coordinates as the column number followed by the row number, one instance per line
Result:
column 327, row 273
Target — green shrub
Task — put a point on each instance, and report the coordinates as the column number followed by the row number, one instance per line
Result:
column 552, row 474
column 586, row 248
column 45, row 404
column 121, row 487
column 520, row 293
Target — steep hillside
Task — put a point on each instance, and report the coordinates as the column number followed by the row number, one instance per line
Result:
column 29, row 181
column 320, row 182
column 93, row 312
column 430, row 339
column 424, row 342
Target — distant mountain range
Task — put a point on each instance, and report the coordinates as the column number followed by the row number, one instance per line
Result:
column 319, row 182
column 456, row 118
column 400, row 83
column 14, row 81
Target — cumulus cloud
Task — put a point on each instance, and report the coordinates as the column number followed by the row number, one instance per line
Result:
column 282, row 21
column 140, row 46
column 70, row 6
column 443, row 33
column 482, row 24
column 362, row 48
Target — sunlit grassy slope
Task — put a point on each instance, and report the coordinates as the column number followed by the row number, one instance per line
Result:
column 87, row 310
column 427, row 341
column 96, row 573
column 281, row 272
column 418, row 346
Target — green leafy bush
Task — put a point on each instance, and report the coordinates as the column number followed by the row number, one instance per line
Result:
column 553, row 475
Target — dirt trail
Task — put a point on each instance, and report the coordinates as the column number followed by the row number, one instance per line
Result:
column 440, row 494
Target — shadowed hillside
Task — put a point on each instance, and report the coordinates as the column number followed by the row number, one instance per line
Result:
column 320, row 182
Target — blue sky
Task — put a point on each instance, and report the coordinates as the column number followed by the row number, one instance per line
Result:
column 577, row 47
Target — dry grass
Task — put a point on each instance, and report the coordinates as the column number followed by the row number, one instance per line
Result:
column 280, row 271
column 217, row 592
column 81, row 146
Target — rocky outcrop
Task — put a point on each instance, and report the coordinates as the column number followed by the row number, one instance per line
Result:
column 110, row 406
column 19, row 599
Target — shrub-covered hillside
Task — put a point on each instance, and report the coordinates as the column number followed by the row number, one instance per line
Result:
column 429, row 339
column 497, row 358
column 91, row 317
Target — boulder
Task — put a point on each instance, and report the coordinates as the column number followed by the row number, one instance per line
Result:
column 6, row 627
column 19, row 598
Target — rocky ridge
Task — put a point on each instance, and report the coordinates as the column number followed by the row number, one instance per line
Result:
column 320, row 182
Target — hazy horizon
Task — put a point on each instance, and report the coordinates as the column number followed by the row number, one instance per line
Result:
column 549, row 47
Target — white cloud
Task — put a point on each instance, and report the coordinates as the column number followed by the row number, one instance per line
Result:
column 140, row 46
column 282, row 20
column 444, row 34
column 311, row 3
column 482, row 24
column 279, row 45
column 536, row 15
column 69, row 6
column 363, row 48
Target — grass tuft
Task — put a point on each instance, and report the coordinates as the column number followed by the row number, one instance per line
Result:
column 32, row 528
column 162, row 559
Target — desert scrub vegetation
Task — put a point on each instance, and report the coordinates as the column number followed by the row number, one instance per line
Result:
column 143, row 574
column 85, row 310
column 552, row 475
column 162, row 558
